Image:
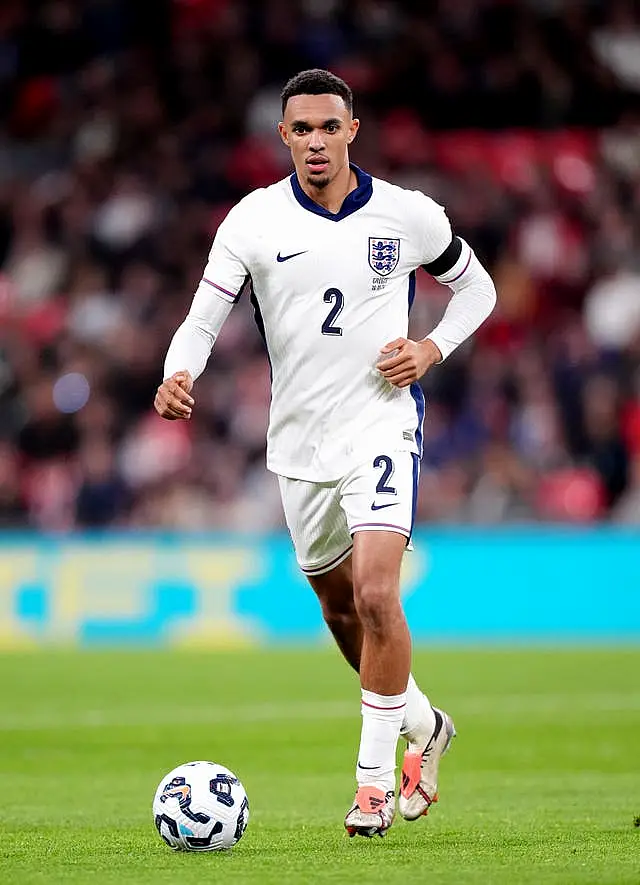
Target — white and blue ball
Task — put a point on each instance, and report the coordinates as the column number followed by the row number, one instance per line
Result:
column 200, row 806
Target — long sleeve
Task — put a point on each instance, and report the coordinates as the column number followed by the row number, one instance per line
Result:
column 220, row 287
column 193, row 341
column 474, row 297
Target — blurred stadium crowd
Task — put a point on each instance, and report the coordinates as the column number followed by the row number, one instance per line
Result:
column 127, row 130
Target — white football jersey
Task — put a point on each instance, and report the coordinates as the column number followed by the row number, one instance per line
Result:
column 329, row 291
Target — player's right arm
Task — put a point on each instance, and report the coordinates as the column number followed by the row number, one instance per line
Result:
column 190, row 348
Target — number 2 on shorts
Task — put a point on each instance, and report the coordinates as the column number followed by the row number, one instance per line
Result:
column 382, row 488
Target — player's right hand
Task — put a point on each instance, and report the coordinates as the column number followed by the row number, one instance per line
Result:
column 172, row 399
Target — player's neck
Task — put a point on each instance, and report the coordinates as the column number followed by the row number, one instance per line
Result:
column 333, row 195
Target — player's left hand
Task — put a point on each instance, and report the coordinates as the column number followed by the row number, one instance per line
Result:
column 409, row 362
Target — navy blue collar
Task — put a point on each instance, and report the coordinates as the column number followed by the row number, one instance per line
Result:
column 351, row 203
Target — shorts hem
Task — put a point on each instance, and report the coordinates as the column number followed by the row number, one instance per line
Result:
column 313, row 570
column 380, row 527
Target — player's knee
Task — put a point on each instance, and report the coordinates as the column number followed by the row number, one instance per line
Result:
column 374, row 601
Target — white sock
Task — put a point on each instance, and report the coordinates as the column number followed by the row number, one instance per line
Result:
column 419, row 719
column 382, row 717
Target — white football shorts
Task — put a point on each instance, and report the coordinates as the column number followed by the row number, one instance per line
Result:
column 322, row 517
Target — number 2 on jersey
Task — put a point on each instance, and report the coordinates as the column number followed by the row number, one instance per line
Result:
column 337, row 297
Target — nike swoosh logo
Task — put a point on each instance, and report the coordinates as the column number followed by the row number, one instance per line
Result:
column 368, row 767
column 382, row 506
column 280, row 257
column 434, row 736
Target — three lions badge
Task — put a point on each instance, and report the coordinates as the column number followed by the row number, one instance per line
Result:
column 383, row 255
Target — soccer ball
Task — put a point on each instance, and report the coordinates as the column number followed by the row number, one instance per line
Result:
column 200, row 806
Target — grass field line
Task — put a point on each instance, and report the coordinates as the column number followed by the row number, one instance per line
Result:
column 478, row 706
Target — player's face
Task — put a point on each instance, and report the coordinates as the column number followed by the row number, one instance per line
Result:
column 318, row 130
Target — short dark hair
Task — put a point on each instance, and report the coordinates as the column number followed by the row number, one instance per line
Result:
column 317, row 82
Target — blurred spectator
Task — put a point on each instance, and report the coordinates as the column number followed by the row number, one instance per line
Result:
column 502, row 489
column 13, row 510
column 574, row 495
column 612, row 310
column 604, row 446
column 47, row 432
column 617, row 44
column 127, row 130
column 627, row 509
column 102, row 495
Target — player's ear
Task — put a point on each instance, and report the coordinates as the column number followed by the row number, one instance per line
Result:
column 284, row 135
column 353, row 130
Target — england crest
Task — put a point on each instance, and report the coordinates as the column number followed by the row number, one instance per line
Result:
column 383, row 255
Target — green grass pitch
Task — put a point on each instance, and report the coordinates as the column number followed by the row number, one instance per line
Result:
column 542, row 784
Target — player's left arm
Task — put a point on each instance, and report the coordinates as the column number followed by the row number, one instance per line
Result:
column 474, row 297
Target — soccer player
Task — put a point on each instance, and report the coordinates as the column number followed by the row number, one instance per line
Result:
column 329, row 256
